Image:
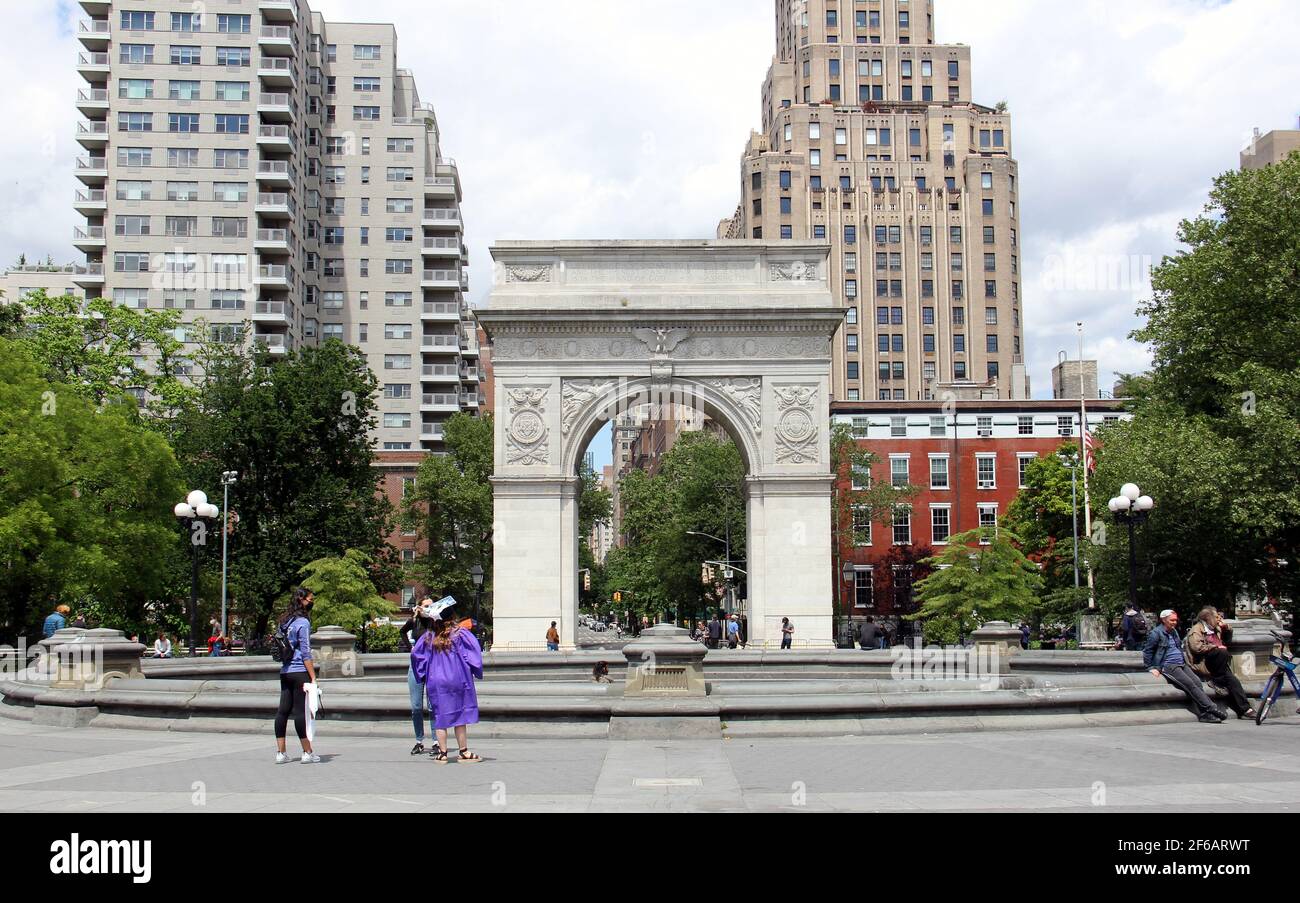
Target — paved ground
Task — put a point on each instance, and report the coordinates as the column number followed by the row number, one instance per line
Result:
column 1236, row 767
column 608, row 639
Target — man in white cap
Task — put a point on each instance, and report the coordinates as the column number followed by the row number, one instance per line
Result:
column 1163, row 656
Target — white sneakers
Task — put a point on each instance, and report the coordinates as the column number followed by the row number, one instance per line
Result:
column 307, row 759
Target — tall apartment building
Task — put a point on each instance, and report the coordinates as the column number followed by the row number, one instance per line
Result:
column 247, row 161
column 871, row 141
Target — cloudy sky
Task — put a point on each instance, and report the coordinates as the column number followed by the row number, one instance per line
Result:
column 622, row 119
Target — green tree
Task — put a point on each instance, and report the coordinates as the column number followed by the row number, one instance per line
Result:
column 97, row 347
column 595, row 505
column 1217, row 441
column 450, row 509
column 298, row 432
column 85, row 503
column 981, row 576
column 345, row 594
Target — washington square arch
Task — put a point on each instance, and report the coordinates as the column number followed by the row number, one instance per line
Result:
column 585, row 331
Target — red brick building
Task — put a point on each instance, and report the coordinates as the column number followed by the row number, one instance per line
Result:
column 967, row 459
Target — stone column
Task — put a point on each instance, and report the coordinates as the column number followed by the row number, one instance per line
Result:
column 334, row 653
column 790, row 566
column 535, row 574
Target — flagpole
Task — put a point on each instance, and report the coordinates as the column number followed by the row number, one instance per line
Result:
column 1083, row 448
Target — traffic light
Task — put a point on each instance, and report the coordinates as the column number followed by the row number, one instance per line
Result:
column 586, row 581
column 618, row 597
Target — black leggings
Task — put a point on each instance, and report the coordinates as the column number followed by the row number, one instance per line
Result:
column 293, row 701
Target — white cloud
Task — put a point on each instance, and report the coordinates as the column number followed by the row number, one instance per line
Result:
column 606, row 119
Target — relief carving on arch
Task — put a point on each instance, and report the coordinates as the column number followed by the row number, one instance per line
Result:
column 527, row 436
column 747, row 395
column 577, row 395
column 797, row 432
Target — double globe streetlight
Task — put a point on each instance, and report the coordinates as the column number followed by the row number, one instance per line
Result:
column 1132, row 507
column 194, row 513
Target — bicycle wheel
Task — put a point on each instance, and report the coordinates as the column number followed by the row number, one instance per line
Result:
column 1271, row 690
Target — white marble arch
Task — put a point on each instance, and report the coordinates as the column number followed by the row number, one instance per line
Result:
column 581, row 331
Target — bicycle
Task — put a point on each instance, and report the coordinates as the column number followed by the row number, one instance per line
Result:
column 1286, row 665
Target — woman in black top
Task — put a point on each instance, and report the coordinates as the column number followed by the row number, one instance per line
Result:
column 412, row 630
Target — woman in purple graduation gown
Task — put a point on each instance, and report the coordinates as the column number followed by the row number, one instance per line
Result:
column 446, row 660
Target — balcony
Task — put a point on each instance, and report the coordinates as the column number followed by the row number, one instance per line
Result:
column 272, row 313
column 89, row 239
column 472, row 400
column 91, row 201
column 271, row 240
column 276, row 344
column 469, row 374
column 442, row 247
column 88, row 275
column 279, row 10
column 276, row 39
column 273, row 276
column 444, row 403
column 276, row 106
column 431, row 432
column 276, row 70
column 93, row 33
column 274, row 204
column 440, row 344
column 275, row 137
column 440, row 187
column 96, row 7
column 276, row 172
column 469, row 345
column 93, row 65
column 441, row 218
column 441, row 279
column 92, row 170
column 92, row 101
column 442, row 311
column 92, row 134
column 441, row 373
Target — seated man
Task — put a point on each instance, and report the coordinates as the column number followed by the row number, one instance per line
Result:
column 1207, row 653
column 1163, row 657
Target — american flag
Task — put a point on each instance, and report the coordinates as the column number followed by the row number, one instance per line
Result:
column 1090, row 447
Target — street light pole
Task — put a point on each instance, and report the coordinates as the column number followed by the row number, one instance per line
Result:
column 191, row 512
column 228, row 479
column 1132, row 507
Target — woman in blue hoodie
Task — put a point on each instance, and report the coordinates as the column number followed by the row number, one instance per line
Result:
column 447, row 659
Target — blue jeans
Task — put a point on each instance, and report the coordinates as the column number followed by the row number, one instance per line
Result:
column 416, row 690
column 552, row 647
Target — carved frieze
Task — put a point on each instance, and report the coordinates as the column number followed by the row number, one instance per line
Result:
column 577, row 395
column 794, row 272
column 527, row 435
column 747, row 395
column 797, row 430
column 529, row 274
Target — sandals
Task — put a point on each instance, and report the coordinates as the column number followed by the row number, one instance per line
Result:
column 468, row 758
column 418, row 749
column 439, row 755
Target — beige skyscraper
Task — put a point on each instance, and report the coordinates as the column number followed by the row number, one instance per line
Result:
column 247, row 161
column 871, row 141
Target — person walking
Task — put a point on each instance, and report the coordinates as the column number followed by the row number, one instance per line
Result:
column 1163, row 656
column 733, row 632
column 55, row 621
column 1024, row 635
column 412, row 630
column 1133, row 628
column 552, row 639
column 162, row 647
column 295, row 674
column 447, row 659
column 787, row 634
column 1207, row 653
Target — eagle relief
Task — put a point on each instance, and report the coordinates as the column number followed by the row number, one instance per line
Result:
column 662, row 341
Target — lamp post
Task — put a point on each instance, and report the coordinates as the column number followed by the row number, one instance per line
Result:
column 228, row 479
column 1072, row 462
column 194, row 513
column 849, row 573
column 476, row 574
column 1132, row 507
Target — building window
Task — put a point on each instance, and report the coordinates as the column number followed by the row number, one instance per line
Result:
column 1065, row 426
column 984, row 427
column 986, row 467
column 864, row 588
column 988, row 520
column 1025, row 426
column 861, row 527
column 1025, row 461
column 940, row 525
column 900, row 472
column 903, row 527
column 861, row 427
column 939, row 473
column 898, row 427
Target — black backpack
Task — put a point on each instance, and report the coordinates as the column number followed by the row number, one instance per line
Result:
column 281, row 645
column 1138, row 624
